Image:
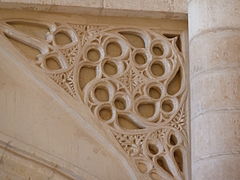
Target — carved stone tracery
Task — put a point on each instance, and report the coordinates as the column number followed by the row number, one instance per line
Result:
column 133, row 81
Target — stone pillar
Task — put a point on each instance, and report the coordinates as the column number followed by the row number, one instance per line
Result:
column 214, row 45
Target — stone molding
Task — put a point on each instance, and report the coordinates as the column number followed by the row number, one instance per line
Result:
column 176, row 9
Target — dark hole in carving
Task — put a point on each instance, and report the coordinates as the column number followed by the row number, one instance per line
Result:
column 167, row 105
column 163, row 164
column 173, row 140
column 153, row 148
column 93, row 54
column 155, row 92
column 175, row 84
column 105, row 113
column 86, row 74
column 62, row 38
column 110, row 68
column 114, row 49
column 178, row 158
column 120, row 103
column 157, row 69
column 101, row 93
column 158, row 49
column 146, row 109
column 52, row 63
column 140, row 58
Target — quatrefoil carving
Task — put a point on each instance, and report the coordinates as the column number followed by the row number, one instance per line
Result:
column 132, row 79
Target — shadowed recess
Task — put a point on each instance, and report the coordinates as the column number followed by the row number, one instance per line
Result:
column 157, row 69
column 146, row 109
column 101, row 93
column 163, row 164
column 105, row 113
column 133, row 39
column 153, row 148
column 178, row 158
column 126, row 123
column 35, row 30
column 155, row 92
column 167, row 106
column 110, row 68
column 175, row 84
column 86, row 74
column 120, row 103
column 93, row 54
column 173, row 140
column 113, row 49
column 140, row 58
column 62, row 38
column 158, row 49
column 52, row 63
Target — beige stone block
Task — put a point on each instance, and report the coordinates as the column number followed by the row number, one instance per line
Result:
column 176, row 9
column 176, row 6
column 214, row 51
column 215, row 133
column 76, row 3
column 215, row 90
column 207, row 15
column 222, row 168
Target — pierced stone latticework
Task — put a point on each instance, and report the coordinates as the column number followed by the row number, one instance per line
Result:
column 133, row 81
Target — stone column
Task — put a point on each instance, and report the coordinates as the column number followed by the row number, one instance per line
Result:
column 214, row 45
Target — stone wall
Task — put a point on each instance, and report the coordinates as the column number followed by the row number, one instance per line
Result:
column 174, row 9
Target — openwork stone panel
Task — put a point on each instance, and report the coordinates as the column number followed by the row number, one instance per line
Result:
column 132, row 79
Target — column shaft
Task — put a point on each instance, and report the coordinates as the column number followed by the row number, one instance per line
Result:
column 214, row 34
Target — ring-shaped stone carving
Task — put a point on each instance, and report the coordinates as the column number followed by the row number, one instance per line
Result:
column 118, row 42
column 96, row 50
column 112, row 67
column 160, row 48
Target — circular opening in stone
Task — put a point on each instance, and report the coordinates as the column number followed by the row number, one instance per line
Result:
column 114, row 49
column 167, row 105
column 154, row 92
column 157, row 69
column 146, row 110
column 110, row 68
column 152, row 148
column 105, row 113
column 101, row 93
column 140, row 58
column 93, row 54
column 52, row 63
column 120, row 103
column 62, row 38
column 158, row 49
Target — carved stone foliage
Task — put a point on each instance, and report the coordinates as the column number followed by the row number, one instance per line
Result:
column 132, row 79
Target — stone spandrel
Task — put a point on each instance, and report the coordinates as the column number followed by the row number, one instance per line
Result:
column 132, row 79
